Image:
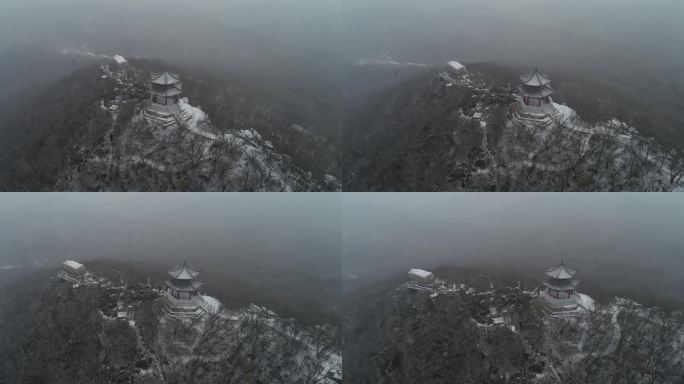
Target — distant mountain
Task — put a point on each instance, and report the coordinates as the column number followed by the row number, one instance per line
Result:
column 87, row 132
column 441, row 131
column 446, row 332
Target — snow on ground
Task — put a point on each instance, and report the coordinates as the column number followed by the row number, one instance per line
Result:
column 196, row 115
column 387, row 61
column 586, row 302
column 211, row 304
column 566, row 113
column 240, row 139
column 83, row 51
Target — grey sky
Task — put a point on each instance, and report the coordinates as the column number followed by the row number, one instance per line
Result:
column 629, row 241
column 636, row 34
column 292, row 231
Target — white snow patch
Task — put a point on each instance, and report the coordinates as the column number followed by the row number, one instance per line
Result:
column 196, row 115
column 211, row 304
column 566, row 113
column 73, row 264
column 586, row 302
column 386, row 60
column 119, row 59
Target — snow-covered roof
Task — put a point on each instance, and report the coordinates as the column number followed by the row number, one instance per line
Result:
column 539, row 92
column 119, row 59
column 184, row 285
column 72, row 264
column 456, row 66
column 535, row 78
column 420, row 273
column 561, row 272
column 175, row 89
column 183, row 272
column 562, row 285
column 165, row 78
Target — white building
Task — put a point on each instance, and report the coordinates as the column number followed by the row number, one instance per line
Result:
column 456, row 68
column 421, row 276
column 72, row 271
column 119, row 60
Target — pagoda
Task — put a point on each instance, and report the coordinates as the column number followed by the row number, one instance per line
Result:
column 560, row 295
column 182, row 292
column 166, row 88
column 536, row 89
column 165, row 96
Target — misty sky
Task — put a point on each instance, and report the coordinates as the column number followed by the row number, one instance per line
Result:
column 289, row 231
column 630, row 241
column 313, row 35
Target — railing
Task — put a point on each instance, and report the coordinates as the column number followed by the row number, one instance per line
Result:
column 559, row 302
column 184, row 304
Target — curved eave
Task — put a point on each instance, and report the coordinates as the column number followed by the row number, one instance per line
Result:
column 193, row 286
column 561, row 272
column 183, row 272
column 535, row 79
column 165, row 78
column 567, row 285
column 538, row 92
column 167, row 92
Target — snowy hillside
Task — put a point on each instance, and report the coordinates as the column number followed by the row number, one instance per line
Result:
column 95, row 132
column 101, row 328
column 504, row 335
column 459, row 130
column 190, row 155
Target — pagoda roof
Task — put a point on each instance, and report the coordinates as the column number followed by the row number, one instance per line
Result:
column 165, row 78
column 173, row 90
column 183, row 272
column 565, row 284
column 538, row 92
column 561, row 272
column 535, row 78
column 184, row 285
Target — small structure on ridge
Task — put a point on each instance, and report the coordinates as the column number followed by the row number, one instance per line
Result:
column 72, row 271
column 421, row 276
column 456, row 68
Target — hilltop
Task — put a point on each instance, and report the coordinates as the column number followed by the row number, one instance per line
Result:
column 445, row 131
column 443, row 331
column 112, row 327
column 86, row 132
